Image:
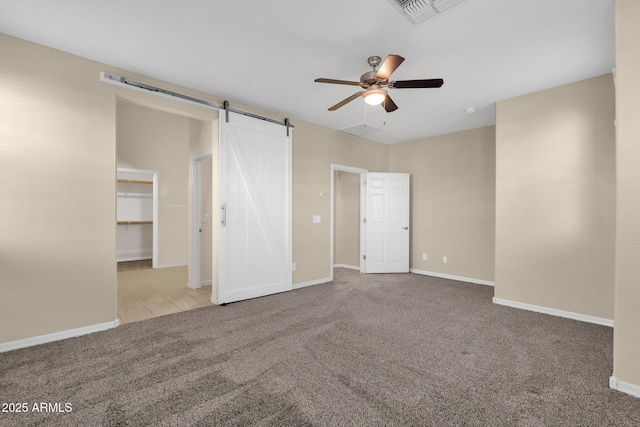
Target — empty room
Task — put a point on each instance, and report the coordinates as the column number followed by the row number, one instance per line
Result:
column 373, row 212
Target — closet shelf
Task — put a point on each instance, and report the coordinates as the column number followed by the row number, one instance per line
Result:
column 134, row 222
column 135, row 181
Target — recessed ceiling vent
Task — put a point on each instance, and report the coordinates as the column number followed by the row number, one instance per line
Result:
column 419, row 10
column 360, row 129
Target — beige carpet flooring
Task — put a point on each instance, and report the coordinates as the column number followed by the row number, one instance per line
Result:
column 364, row 350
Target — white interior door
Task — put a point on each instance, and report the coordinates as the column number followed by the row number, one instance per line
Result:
column 255, row 200
column 387, row 223
column 206, row 211
column 201, row 257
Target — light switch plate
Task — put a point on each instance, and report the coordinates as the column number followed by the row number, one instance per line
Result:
column 316, row 219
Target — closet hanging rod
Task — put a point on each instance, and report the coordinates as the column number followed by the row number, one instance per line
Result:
column 135, row 181
column 113, row 78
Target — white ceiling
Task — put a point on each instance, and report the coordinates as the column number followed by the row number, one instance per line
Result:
column 267, row 53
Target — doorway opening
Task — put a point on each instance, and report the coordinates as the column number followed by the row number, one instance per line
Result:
column 203, row 232
column 137, row 219
column 162, row 141
column 347, row 218
column 383, row 215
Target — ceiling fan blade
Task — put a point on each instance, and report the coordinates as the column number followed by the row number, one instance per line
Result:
column 389, row 66
column 346, row 101
column 417, row 84
column 389, row 105
column 337, row 82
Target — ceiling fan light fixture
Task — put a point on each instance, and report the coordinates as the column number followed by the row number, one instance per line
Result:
column 374, row 96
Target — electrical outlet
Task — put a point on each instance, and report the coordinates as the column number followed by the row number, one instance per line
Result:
column 293, row 267
column 424, row 257
column 444, row 259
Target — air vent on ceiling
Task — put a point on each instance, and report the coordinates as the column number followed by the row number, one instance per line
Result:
column 419, row 10
column 360, row 129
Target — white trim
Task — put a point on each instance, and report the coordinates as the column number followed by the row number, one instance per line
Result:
column 171, row 265
column 452, row 277
column 555, row 312
column 57, row 336
column 133, row 258
column 624, row 387
column 351, row 267
column 196, row 210
column 363, row 177
column 205, row 283
column 214, row 301
column 155, row 255
column 312, row 282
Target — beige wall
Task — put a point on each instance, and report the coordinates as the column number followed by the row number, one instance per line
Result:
column 314, row 150
column 57, row 197
column 555, row 198
column 452, row 201
column 626, row 338
column 158, row 140
column 347, row 219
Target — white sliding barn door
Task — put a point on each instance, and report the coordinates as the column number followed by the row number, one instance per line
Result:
column 255, row 242
column 387, row 226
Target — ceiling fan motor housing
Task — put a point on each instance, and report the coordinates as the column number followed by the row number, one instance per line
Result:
column 368, row 79
column 375, row 81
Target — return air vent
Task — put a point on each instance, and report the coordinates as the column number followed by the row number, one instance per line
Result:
column 419, row 10
column 360, row 129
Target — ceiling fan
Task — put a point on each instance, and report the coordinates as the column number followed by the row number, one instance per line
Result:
column 373, row 82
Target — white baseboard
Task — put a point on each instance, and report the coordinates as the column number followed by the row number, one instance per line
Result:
column 311, row 283
column 134, row 258
column 449, row 276
column 352, row 267
column 57, row 336
column 555, row 312
column 205, row 283
column 214, row 301
column 624, row 387
column 171, row 265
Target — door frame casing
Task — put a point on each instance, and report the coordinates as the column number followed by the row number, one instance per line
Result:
column 195, row 273
column 363, row 178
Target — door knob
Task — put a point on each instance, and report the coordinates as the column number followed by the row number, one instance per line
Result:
column 405, row 228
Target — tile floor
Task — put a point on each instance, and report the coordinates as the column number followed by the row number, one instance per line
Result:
column 143, row 294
